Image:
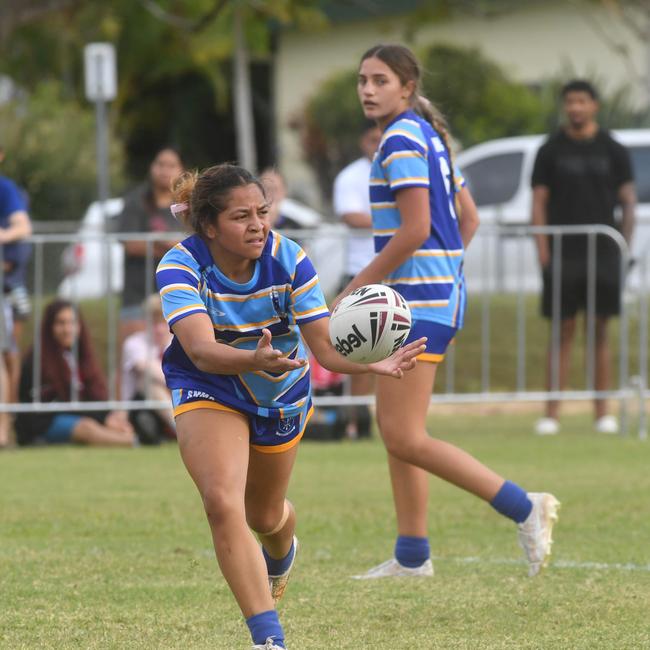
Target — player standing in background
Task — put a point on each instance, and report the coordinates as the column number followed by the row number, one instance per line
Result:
column 420, row 245
column 352, row 204
column 239, row 298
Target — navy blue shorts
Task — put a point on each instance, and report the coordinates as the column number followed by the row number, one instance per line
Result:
column 268, row 435
column 439, row 337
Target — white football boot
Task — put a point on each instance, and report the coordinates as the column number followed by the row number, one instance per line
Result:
column 535, row 534
column 547, row 427
column 278, row 584
column 269, row 645
column 393, row 569
column 607, row 424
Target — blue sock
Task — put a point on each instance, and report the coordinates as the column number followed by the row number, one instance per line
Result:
column 513, row 502
column 412, row 551
column 265, row 625
column 278, row 567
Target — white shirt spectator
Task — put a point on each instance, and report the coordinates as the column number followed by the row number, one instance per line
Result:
column 140, row 357
column 351, row 194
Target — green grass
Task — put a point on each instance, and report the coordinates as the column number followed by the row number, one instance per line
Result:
column 110, row 549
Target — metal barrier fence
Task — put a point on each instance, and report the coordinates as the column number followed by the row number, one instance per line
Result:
column 501, row 262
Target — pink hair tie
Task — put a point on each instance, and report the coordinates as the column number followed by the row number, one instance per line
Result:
column 177, row 208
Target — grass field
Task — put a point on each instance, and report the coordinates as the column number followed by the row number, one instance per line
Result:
column 110, row 549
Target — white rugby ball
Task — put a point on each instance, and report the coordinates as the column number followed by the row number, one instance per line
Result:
column 370, row 324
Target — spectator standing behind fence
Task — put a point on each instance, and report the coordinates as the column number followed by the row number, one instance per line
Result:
column 580, row 175
column 17, row 255
column 14, row 227
column 146, row 209
column 351, row 201
column 142, row 374
column 68, row 370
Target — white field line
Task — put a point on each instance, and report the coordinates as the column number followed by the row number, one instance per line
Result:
column 557, row 564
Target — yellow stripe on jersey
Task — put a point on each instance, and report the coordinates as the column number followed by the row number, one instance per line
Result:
column 383, row 232
column 178, row 267
column 315, row 310
column 248, row 388
column 183, row 310
column 247, row 326
column 438, row 252
column 427, row 303
column 407, row 134
column 233, row 297
column 431, row 279
column 400, row 154
column 305, row 287
column 410, row 179
column 179, row 285
column 305, row 370
column 383, row 205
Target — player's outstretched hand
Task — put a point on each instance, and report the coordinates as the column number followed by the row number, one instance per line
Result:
column 401, row 361
column 269, row 359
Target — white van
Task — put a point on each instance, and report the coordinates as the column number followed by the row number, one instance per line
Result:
column 498, row 174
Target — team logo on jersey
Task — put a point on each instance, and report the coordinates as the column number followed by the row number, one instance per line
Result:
column 286, row 426
column 215, row 313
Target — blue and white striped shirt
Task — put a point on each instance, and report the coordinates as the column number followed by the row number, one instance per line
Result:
column 283, row 293
column 412, row 154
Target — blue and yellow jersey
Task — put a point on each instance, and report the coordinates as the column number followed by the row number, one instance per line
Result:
column 412, row 154
column 283, row 293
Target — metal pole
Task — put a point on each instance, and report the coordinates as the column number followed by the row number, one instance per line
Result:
column 643, row 347
column 243, row 103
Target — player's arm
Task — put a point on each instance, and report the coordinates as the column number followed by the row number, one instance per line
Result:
column 20, row 227
column 468, row 219
column 316, row 335
column 357, row 219
column 196, row 336
column 540, row 218
column 627, row 199
column 413, row 205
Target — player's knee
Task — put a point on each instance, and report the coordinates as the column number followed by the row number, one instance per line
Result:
column 264, row 521
column 400, row 446
column 220, row 505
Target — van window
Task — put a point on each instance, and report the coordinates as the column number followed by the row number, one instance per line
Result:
column 641, row 164
column 495, row 179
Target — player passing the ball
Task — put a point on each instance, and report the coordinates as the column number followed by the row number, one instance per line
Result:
column 423, row 219
column 237, row 297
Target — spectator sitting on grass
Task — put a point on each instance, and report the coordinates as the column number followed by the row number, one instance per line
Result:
column 69, row 371
column 142, row 374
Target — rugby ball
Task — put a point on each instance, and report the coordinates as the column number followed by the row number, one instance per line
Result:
column 370, row 323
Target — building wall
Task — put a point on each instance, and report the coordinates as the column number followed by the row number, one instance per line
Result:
column 530, row 44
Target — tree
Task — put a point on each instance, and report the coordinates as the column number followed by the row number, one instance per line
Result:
column 635, row 16
column 158, row 42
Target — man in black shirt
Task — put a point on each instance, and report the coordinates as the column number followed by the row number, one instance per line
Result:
column 581, row 174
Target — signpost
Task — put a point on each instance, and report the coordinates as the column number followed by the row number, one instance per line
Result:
column 100, row 75
column 101, row 86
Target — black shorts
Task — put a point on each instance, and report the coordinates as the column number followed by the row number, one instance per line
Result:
column 574, row 287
